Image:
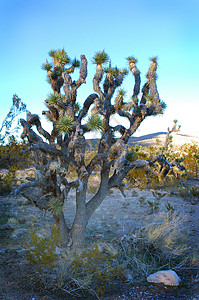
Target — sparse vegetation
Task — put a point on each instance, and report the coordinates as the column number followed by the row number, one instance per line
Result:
column 67, row 161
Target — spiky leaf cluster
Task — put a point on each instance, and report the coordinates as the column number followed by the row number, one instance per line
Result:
column 65, row 124
column 75, row 63
column 115, row 71
column 54, row 99
column 121, row 92
column 100, row 58
column 55, row 206
column 60, row 56
column 134, row 100
column 95, row 123
column 163, row 105
column 153, row 59
column 131, row 156
column 47, row 66
column 124, row 71
column 131, row 59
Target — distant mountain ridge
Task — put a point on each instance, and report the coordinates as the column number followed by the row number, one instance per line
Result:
column 151, row 139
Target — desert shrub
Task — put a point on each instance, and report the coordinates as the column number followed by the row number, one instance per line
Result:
column 154, row 205
column 143, row 179
column 184, row 161
column 191, row 194
column 137, row 177
column 95, row 269
column 7, row 181
column 191, row 161
column 194, row 190
column 161, row 244
column 148, row 178
column 12, row 158
column 42, row 252
column 90, row 270
column 136, row 152
column 12, row 155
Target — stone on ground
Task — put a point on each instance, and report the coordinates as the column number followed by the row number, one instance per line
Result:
column 167, row 277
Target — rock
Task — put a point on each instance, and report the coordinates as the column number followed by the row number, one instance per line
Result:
column 167, row 277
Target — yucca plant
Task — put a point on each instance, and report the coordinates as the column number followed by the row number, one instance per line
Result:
column 52, row 53
column 94, row 123
column 153, row 59
column 131, row 59
column 55, row 206
column 47, row 66
column 124, row 71
column 112, row 71
column 61, row 57
column 54, row 99
column 100, row 58
column 75, row 63
column 121, row 92
column 163, row 105
column 65, row 124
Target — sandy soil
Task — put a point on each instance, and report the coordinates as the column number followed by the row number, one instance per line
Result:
column 116, row 217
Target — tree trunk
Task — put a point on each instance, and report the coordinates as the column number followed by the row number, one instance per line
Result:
column 62, row 228
column 78, row 233
column 78, row 229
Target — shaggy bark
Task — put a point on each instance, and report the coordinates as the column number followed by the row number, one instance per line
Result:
column 65, row 150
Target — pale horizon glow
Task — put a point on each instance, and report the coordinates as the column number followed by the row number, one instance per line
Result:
column 169, row 30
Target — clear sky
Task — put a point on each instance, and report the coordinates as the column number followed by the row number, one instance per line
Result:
column 167, row 29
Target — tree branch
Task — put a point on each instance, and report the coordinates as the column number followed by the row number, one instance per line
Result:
column 36, row 200
column 35, row 183
column 88, row 102
column 95, row 161
column 136, row 73
column 96, row 81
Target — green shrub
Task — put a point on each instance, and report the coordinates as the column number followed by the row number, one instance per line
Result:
column 42, row 252
column 95, row 269
column 7, row 181
column 12, row 155
column 191, row 155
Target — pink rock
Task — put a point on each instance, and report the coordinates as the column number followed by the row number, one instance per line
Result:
column 167, row 277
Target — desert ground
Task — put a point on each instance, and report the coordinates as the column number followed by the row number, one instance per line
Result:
column 117, row 219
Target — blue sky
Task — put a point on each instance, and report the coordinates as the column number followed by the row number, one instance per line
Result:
column 167, row 29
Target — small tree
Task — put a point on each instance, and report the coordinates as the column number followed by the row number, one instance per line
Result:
column 7, row 125
column 168, row 139
column 64, row 147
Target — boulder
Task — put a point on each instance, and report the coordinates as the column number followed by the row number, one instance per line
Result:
column 167, row 277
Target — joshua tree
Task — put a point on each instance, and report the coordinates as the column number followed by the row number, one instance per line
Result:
column 168, row 138
column 64, row 147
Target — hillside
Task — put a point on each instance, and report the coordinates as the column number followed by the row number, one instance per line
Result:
column 150, row 139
